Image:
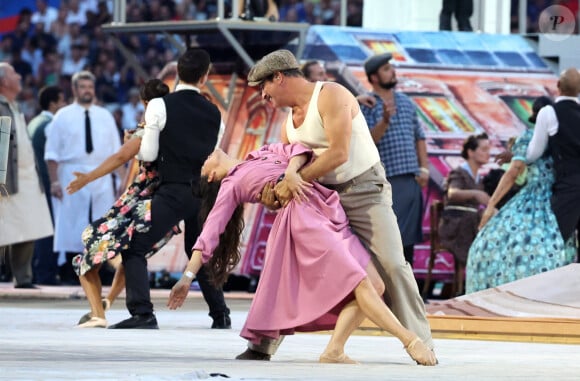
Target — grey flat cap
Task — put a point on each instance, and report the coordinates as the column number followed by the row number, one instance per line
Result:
column 373, row 63
column 276, row 61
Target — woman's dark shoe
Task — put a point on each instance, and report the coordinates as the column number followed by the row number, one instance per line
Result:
column 137, row 322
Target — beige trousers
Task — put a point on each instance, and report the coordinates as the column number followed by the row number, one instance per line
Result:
column 367, row 201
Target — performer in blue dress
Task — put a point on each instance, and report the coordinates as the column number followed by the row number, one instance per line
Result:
column 523, row 238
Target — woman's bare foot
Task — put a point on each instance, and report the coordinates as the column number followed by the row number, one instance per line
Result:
column 328, row 358
column 420, row 352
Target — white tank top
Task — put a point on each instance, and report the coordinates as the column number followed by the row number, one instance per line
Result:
column 363, row 152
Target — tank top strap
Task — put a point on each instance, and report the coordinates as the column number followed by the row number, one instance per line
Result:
column 314, row 99
column 312, row 110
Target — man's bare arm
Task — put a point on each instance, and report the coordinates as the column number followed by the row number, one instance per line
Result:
column 337, row 107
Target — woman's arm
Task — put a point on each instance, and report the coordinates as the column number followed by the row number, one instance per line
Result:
column 461, row 196
column 506, row 182
column 127, row 151
column 181, row 288
column 293, row 186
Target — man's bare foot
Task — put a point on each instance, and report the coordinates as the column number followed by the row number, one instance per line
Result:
column 421, row 353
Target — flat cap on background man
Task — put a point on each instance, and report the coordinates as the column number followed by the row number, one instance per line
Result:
column 276, row 61
column 373, row 63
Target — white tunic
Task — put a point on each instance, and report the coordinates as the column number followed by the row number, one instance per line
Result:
column 65, row 144
column 24, row 216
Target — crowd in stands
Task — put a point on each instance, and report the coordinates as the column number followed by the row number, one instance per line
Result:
column 48, row 45
column 534, row 9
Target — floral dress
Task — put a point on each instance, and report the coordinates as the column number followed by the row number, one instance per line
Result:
column 108, row 236
column 523, row 238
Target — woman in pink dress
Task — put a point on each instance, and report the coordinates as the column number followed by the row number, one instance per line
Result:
column 315, row 272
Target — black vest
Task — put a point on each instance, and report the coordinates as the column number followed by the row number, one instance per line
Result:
column 565, row 145
column 189, row 136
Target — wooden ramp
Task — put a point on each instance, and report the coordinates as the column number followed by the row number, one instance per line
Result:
column 541, row 308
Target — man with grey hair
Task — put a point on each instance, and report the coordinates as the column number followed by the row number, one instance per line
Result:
column 19, row 226
column 81, row 136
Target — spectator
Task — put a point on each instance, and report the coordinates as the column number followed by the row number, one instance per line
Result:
column 462, row 9
column 72, row 37
column 329, row 12
column 23, row 27
column 94, row 128
column 267, row 9
column 314, row 71
column 132, row 110
column 44, row 264
column 44, row 14
column 31, row 53
column 59, row 27
column 76, row 62
column 355, row 13
column 401, row 142
column 6, row 48
column 293, row 11
column 49, row 69
column 76, row 13
column 18, row 225
column 22, row 67
column 463, row 196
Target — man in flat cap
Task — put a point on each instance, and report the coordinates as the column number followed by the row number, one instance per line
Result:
column 326, row 117
column 401, row 142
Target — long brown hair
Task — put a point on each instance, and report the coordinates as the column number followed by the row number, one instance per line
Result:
column 227, row 255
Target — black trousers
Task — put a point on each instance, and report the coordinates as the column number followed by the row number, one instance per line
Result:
column 565, row 204
column 171, row 203
column 463, row 10
column 45, row 262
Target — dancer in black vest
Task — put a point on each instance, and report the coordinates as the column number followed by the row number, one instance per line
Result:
column 558, row 129
column 181, row 130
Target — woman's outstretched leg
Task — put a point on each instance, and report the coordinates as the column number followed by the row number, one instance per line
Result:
column 377, row 311
column 370, row 304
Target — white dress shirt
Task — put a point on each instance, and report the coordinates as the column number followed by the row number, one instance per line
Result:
column 546, row 126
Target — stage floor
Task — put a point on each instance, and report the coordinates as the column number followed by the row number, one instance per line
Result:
column 38, row 341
